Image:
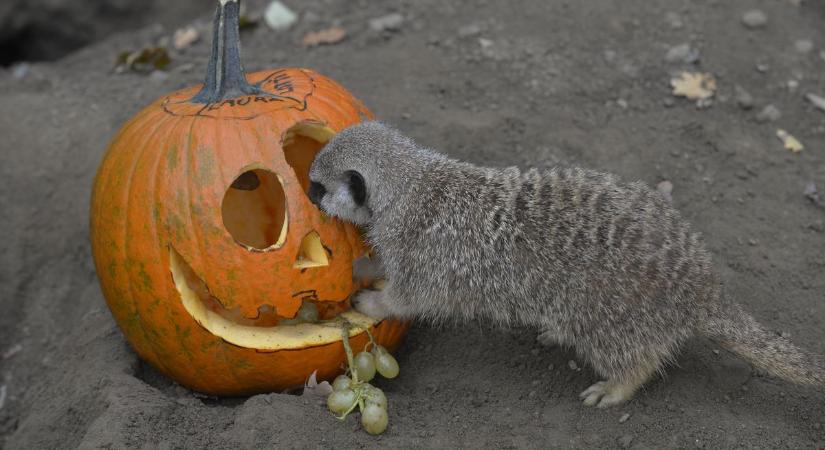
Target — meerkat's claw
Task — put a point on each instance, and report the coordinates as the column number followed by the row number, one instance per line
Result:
column 605, row 394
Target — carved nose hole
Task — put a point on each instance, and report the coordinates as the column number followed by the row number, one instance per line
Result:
column 312, row 252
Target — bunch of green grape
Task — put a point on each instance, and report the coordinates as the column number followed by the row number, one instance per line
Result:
column 354, row 390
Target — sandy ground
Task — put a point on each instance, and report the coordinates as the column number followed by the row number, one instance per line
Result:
column 542, row 83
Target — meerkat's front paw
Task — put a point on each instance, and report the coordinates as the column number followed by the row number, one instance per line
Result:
column 370, row 303
column 605, row 394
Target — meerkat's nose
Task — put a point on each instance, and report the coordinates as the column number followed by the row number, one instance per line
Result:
column 316, row 193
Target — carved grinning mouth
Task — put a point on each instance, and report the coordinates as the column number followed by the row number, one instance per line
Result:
column 207, row 311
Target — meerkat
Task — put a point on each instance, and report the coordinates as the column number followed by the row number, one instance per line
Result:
column 605, row 267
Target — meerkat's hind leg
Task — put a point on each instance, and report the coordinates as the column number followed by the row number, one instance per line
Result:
column 607, row 393
column 616, row 390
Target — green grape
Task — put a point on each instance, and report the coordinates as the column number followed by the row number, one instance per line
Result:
column 365, row 366
column 308, row 312
column 341, row 382
column 375, row 396
column 379, row 350
column 340, row 401
column 374, row 419
column 386, row 365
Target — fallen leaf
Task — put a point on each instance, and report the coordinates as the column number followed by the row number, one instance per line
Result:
column 313, row 387
column 143, row 60
column 694, row 86
column 331, row 35
column 791, row 143
column 184, row 37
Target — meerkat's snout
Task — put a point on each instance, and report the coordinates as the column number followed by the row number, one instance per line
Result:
column 316, row 193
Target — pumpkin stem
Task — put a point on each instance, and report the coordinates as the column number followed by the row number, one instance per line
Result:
column 225, row 77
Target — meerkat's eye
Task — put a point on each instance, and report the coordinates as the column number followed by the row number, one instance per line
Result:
column 357, row 187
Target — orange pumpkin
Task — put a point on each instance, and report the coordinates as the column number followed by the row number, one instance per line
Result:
column 204, row 238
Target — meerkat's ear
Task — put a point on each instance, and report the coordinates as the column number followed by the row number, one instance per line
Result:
column 357, row 187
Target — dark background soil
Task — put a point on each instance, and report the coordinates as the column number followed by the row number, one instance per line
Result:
column 530, row 83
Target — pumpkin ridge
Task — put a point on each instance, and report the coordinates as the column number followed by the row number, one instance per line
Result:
column 128, row 186
column 164, row 211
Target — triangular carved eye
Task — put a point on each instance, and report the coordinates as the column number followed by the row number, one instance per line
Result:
column 312, row 252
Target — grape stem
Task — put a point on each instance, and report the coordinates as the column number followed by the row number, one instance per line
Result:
column 372, row 341
column 359, row 388
column 348, row 350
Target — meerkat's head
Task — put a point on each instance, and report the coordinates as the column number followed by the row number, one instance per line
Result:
column 349, row 178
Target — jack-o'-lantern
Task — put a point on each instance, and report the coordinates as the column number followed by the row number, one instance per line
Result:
column 205, row 241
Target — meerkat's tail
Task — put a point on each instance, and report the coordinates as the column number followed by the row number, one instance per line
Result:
column 737, row 331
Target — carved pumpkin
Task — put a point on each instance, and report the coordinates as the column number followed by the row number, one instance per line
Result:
column 204, row 238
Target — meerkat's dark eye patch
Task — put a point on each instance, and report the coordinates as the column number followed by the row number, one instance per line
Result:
column 316, row 192
column 357, row 187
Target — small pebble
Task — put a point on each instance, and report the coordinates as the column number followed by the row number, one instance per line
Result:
column 803, row 45
column 624, row 418
column 792, row 85
column 626, row 440
column 743, row 98
column 666, row 189
column 158, row 76
column 682, row 53
column 754, row 19
column 278, row 16
column 470, row 30
column 674, row 20
column 572, row 365
column 817, row 101
column 716, row 352
column 19, row 71
column 390, row 22
column 769, row 113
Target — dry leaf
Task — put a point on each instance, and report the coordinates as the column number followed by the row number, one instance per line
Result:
column 143, row 60
column 184, row 37
column 331, row 35
column 791, row 143
column 312, row 386
column 695, row 86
